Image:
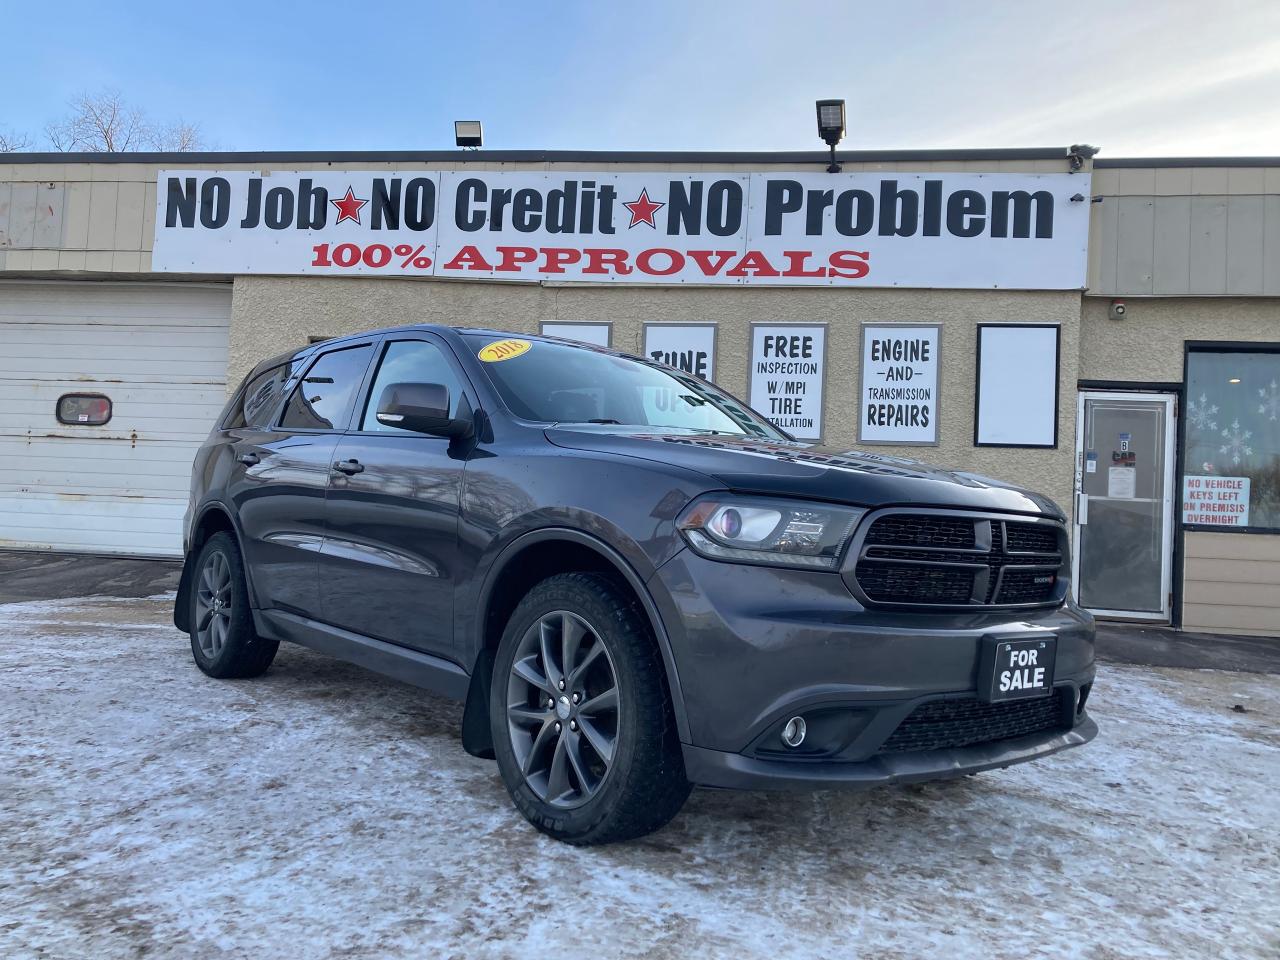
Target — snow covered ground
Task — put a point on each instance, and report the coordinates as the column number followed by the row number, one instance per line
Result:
column 321, row 811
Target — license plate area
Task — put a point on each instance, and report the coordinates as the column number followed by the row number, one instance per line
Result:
column 1016, row 669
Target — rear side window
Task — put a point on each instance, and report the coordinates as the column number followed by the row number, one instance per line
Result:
column 323, row 397
column 410, row 361
column 261, row 396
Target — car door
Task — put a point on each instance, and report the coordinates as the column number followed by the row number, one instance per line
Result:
column 283, row 472
column 389, row 562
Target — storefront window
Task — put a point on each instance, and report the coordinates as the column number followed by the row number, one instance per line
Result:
column 1231, row 464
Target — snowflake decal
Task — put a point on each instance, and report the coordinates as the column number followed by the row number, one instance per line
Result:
column 1237, row 445
column 1270, row 405
column 1200, row 415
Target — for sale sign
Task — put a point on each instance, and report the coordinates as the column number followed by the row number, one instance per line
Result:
column 958, row 230
column 1215, row 501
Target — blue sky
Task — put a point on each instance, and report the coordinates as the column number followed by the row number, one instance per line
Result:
column 1155, row 78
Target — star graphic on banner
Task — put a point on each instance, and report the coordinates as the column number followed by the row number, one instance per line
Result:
column 348, row 207
column 642, row 209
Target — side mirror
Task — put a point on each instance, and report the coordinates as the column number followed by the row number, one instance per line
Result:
column 424, row 408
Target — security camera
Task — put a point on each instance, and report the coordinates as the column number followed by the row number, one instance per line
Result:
column 1078, row 153
column 1118, row 310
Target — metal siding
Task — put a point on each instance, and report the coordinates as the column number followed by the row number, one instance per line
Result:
column 1244, row 244
column 75, row 228
column 160, row 354
column 1172, row 246
column 1107, row 219
column 22, row 215
column 1209, row 244
column 1271, row 246
column 1134, row 248
column 102, row 216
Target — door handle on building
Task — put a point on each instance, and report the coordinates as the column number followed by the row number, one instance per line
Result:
column 349, row 467
column 1082, row 508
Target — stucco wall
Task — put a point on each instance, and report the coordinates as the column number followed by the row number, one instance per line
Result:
column 272, row 314
column 1147, row 345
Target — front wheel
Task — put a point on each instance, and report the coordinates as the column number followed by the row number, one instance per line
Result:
column 581, row 716
column 224, row 643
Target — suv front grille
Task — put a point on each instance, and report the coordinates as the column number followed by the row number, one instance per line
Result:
column 946, row 724
column 909, row 558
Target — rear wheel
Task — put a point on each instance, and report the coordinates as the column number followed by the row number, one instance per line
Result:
column 581, row 716
column 224, row 643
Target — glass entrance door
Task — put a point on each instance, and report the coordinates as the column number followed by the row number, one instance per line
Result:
column 1124, row 503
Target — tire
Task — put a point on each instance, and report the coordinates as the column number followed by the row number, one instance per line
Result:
column 224, row 643
column 621, row 773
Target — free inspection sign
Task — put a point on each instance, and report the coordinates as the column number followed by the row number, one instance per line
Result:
column 955, row 230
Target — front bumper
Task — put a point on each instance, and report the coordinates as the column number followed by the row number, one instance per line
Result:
column 754, row 646
column 713, row 768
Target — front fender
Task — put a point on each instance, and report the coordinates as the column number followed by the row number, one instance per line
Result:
column 476, row 711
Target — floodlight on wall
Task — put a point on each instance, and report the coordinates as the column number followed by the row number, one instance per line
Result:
column 468, row 133
column 831, row 128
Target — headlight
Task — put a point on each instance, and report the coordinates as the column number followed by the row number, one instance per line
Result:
column 783, row 533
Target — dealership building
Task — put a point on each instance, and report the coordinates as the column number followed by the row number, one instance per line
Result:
column 1105, row 331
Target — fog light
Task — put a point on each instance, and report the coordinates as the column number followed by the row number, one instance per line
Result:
column 793, row 733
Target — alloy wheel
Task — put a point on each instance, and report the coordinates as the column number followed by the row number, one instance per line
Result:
column 562, row 709
column 213, row 605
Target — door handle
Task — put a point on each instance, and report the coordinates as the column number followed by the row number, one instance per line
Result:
column 349, row 467
column 249, row 459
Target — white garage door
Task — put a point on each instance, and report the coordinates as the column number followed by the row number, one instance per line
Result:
column 158, row 352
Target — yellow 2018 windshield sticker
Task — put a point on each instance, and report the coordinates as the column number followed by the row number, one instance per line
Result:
column 503, row 350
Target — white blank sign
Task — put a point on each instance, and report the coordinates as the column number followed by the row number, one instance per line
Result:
column 594, row 333
column 1017, row 386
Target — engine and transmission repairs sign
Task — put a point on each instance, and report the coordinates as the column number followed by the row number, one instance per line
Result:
column 955, row 230
column 899, row 384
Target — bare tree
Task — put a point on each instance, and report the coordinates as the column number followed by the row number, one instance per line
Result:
column 13, row 142
column 104, row 123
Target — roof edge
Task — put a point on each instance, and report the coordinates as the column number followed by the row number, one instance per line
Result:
column 1130, row 162
column 815, row 157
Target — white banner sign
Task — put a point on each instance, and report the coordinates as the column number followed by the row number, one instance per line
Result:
column 899, row 384
column 959, row 230
column 690, row 347
column 1216, row 501
column 788, row 369
column 599, row 334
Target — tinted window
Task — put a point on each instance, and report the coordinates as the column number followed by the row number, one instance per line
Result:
column 260, row 397
column 322, row 398
column 1232, row 459
column 410, row 361
column 558, row 383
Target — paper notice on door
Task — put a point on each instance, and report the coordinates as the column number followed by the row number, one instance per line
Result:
column 1122, row 483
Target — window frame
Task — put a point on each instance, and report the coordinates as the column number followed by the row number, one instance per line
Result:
column 278, row 424
column 1212, row 346
column 365, row 395
column 81, row 394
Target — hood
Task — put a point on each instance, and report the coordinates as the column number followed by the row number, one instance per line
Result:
column 814, row 471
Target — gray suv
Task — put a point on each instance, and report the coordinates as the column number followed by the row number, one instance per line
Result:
column 635, row 582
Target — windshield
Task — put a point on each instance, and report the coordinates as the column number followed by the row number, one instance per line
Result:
column 559, row 383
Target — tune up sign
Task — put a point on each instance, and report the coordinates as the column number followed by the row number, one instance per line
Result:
column 957, row 230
